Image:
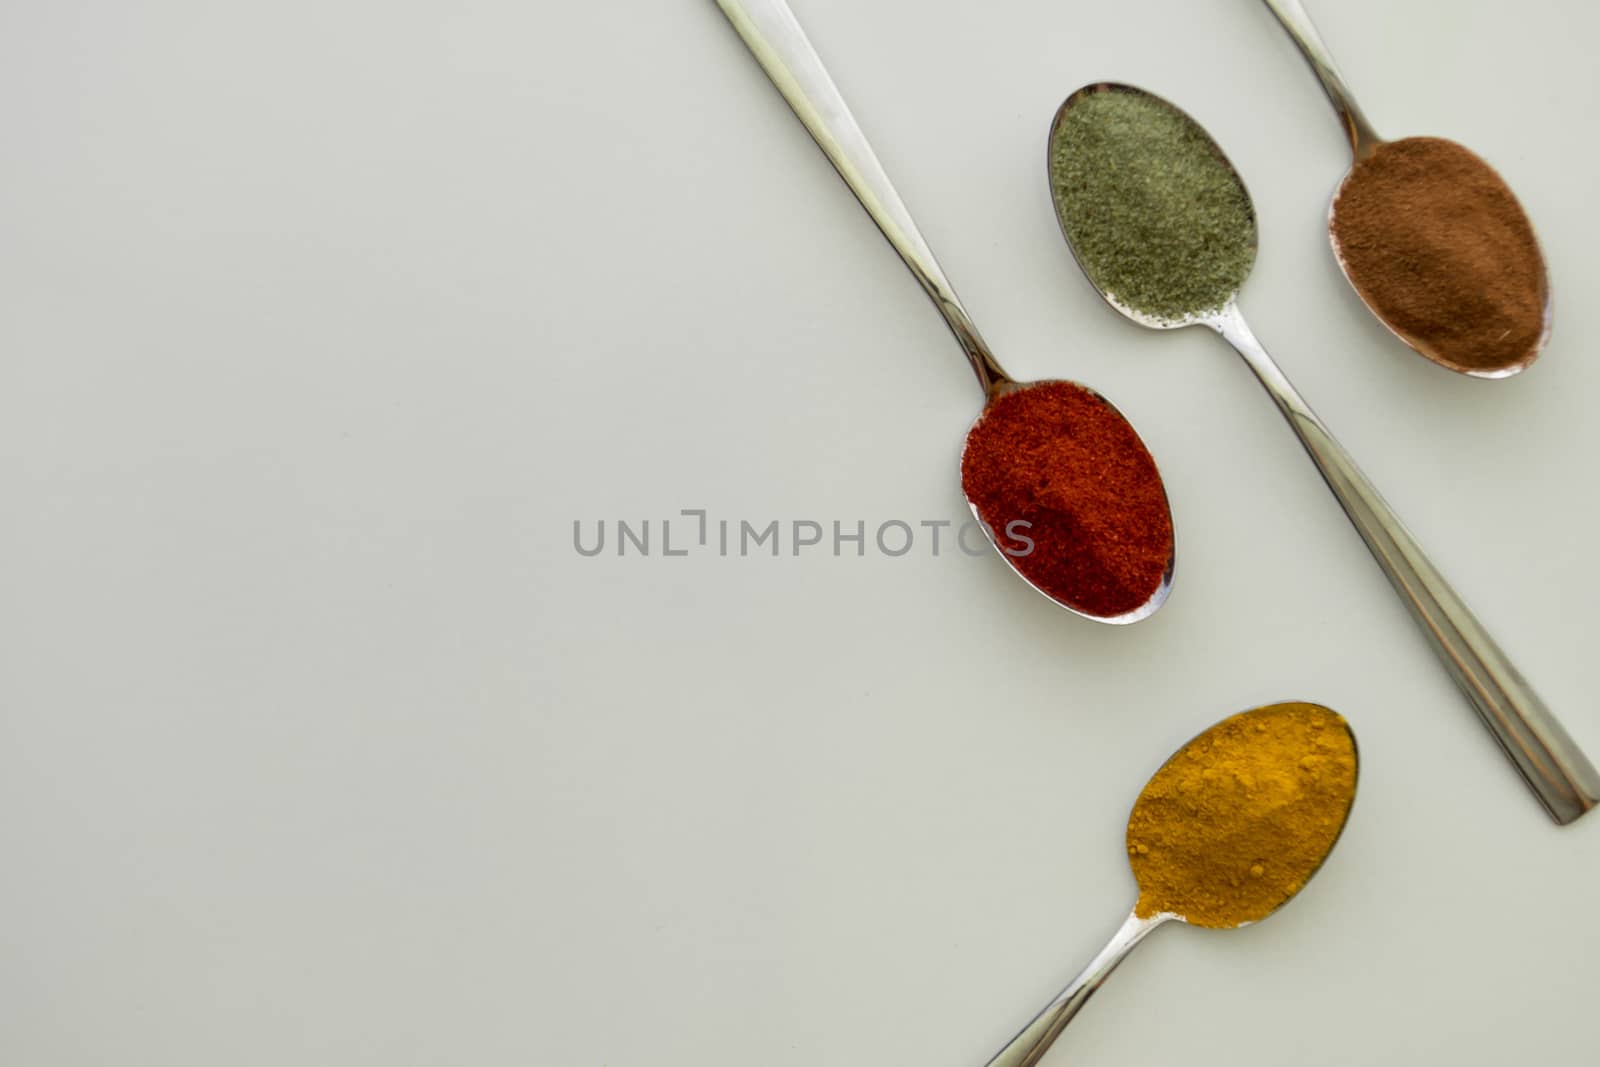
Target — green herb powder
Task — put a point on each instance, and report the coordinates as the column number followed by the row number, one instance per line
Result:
column 1156, row 215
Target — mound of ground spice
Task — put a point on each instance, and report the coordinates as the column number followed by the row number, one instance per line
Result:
column 1058, row 458
column 1153, row 210
column 1236, row 822
column 1435, row 241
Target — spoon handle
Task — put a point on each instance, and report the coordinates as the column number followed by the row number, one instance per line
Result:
column 1295, row 19
column 1555, row 768
column 772, row 33
column 1035, row 1039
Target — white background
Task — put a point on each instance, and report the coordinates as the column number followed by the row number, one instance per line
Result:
column 319, row 743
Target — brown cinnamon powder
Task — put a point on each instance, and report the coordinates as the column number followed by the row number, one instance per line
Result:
column 1436, row 242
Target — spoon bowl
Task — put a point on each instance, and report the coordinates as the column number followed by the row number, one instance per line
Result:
column 1058, row 133
column 1190, row 875
column 1225, row 833
column 1079, row 573
column 1505, row 365
column 778, row 43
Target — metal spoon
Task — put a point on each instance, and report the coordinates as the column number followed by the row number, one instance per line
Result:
column 772, row 33
column 1364, row 141
column 1557, row 771
column 1035, row 1039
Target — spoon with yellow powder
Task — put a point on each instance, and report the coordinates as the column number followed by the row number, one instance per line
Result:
column 1225, row 833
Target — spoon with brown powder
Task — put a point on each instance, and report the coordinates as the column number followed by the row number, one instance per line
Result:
column 1431, row 237
column 1226, row 832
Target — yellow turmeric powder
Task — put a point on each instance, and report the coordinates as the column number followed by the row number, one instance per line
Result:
column 1235, row 823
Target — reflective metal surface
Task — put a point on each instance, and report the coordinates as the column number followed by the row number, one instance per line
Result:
column 1035, row 1039
column 1554, row 767
column 774, row 36
column 1295, row 19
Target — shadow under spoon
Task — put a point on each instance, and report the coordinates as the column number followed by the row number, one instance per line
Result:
column 773, row 35
column 1168, row 257
column 1417, row 188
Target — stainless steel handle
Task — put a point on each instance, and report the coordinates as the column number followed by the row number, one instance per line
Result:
column 1297, row 21
column 1557, row 771
column 1035, row 1039
column 774, row 36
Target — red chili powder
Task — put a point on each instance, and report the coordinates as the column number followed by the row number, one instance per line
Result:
column 1058, row 456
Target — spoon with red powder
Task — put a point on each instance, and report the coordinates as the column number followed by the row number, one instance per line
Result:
column 1431, row 237
column 1061, row 482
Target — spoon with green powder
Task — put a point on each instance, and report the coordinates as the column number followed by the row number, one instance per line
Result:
column 1061, row 481
column 1164, row 228
column 1223, row 835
